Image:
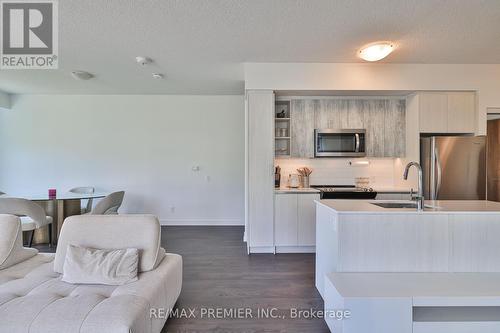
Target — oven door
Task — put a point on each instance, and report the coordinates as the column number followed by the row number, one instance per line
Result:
column 339, row 143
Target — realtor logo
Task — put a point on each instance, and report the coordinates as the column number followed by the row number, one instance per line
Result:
column 29, row 36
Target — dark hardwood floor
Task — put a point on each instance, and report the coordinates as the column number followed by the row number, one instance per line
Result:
column 218, row 273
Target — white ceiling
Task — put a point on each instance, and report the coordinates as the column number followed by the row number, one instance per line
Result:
column 201, row 45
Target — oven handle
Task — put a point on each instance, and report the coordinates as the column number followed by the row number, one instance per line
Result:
column 356, row 135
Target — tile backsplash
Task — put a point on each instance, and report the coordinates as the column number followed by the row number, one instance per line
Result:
column 337, row 171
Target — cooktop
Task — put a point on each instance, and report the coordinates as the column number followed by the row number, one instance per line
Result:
column 342, row 188
column 345, row 192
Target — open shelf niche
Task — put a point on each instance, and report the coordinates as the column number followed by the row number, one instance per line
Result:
column 282, row 128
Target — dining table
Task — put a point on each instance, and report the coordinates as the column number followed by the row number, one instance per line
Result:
column 59, row 207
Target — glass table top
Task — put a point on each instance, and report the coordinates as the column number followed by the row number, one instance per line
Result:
column 60, row 196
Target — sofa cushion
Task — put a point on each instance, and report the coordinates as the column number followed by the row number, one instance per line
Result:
column 11, row 242
column 33, row 298
column 96, row 266
column 111, row 232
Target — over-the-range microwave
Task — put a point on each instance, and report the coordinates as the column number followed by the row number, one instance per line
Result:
column 339, row 142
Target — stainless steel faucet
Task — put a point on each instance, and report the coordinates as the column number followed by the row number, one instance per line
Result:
column 419, row 198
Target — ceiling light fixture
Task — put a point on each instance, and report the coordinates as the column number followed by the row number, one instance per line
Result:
column 376, row 51
column 157, row 76
column 82, row 75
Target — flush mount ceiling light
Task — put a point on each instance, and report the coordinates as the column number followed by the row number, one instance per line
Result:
column 376, row 51
column 157, row 76
column 81, row 75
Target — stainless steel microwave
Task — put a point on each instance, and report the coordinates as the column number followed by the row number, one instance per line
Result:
column 339, row 142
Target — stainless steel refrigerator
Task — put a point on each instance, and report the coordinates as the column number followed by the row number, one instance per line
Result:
column 454, row 167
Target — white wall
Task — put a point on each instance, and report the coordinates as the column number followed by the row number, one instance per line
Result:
column 361, row 76
column 4, row 100
column 145, row 145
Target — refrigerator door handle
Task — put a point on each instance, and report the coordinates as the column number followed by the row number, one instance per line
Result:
column 432, row 169
column 439, row 174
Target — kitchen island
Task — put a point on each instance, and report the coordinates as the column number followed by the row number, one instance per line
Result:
column 364, row 236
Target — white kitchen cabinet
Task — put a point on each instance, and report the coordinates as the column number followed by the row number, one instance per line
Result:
column 433, row 113
column 285, row 219
column 447, row 112
column 306, row 213
column 461, row 112
column 260, row 171
column 295, row 221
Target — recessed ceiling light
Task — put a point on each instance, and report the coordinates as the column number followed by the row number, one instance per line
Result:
column 376, row 51
column 158, row 76
column 141, row 60
column 81, row 75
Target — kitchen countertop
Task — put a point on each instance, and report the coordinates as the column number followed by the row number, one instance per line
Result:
column 439, row 207
column 378, row 189
column 295, row 190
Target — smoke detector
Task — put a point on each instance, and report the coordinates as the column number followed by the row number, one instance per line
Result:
column 143, row 60
column 82, row 75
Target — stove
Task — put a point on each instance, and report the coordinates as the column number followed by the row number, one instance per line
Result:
column 345, row 192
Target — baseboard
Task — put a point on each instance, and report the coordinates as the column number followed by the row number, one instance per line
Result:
column 202, row 221
column 261, row 249
column 282, row 249
column 295, row 249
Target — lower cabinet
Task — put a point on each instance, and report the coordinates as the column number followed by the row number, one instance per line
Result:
column 306, row 212
column 295, row 221
column 286, row 219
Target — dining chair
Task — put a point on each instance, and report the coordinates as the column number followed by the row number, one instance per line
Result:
column 31, row 214
column 109, row 205
column 84, row 190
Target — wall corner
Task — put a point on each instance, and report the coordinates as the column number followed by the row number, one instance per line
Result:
column 5, row 101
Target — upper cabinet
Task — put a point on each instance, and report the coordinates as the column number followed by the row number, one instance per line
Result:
column 383, row 119
column 395, row 129
column 433, row 115
column 461, row 112
column 447, row 112
column 302, row 128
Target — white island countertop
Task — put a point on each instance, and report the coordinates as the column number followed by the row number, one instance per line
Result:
column 436, row 207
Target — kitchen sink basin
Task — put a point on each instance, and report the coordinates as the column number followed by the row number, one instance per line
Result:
column 400, row 205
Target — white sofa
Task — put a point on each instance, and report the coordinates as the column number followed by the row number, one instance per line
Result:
column 34, row 299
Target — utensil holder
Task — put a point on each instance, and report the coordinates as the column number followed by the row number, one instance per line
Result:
column 304, row 181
